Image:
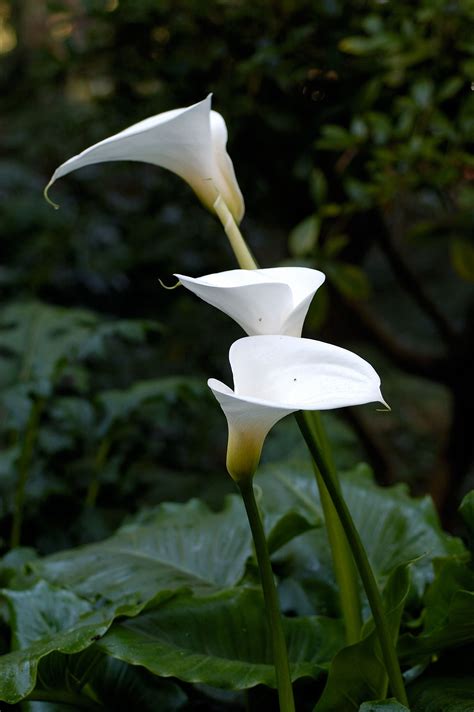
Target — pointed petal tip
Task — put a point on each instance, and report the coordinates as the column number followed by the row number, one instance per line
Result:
column 46, row 196
column 165, row 286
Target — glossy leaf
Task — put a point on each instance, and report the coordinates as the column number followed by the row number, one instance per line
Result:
column 357, row 672
column 449, row 613
column 46, row 619
column 442, row 694
column 395, row 527
column 93, row 676
column 182, row 546
column 220, row 641
column 390, row 705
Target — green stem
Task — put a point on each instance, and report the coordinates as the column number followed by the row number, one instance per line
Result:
column 343, row 562
column 274, row 619
column 240, row 248
column 64, row 697
column 346, row 574
column 24, row 463
column 373, row 594
column 99, row 461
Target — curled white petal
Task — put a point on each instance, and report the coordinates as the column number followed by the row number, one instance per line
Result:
column 261, row 301
column 277, row 375
column 190, row 142
column 249, row 424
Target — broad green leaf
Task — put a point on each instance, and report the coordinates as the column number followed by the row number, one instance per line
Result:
column 449, row 613
column 390, row 705
column 220, row 640
column 357, row 672
column 394, row 527
column 180, row 546
column 46, row 619
column 91, row 675
column 287, row 528
column 442, row 694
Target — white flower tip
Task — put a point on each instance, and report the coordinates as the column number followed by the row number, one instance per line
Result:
column 386, row 408
column 46, row 196
column 165, row 286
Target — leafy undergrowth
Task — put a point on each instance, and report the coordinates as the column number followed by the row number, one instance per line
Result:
column 167, row 613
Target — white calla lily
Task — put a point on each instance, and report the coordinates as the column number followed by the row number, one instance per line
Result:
column 278, row 375
column 261, row 301
column 190, row 142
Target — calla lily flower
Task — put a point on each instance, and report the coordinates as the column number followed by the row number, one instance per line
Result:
column 261, row 301
column 278, row 375
column 190, row 142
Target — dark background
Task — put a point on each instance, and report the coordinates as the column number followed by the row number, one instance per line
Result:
column 350, row 128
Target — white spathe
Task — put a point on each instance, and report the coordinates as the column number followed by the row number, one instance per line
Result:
column 190, row 142
column 278, row 375
column 261, row 301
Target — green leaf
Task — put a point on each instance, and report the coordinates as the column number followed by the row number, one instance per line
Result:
column 462, row 257
column 38, row 340
column 450, row 87
column 220, row 640
column 318, row 186
column 442, row 694
column 334, row 244
column 449, row 612
column 335, row 138
column 357, row 671
column 45, row 619
column 287, row 528
column 348, row 279
column 395, row 528
column 181, row 545
column 120, row 405
column 91, row 675
column 304, row 236
column 390, row 705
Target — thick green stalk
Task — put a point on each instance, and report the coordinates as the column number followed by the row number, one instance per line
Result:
column 274, row 619
column 24, row 463
column 343, row 562
column 373, row 594
column 240, row 248
column 346, row 575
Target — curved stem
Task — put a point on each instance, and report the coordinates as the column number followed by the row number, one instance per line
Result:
column 240, row 248
column 373, row 594
column 343, row 562
column 274, row 619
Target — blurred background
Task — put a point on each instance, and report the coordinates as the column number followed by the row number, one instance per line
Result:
column 350, row 128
